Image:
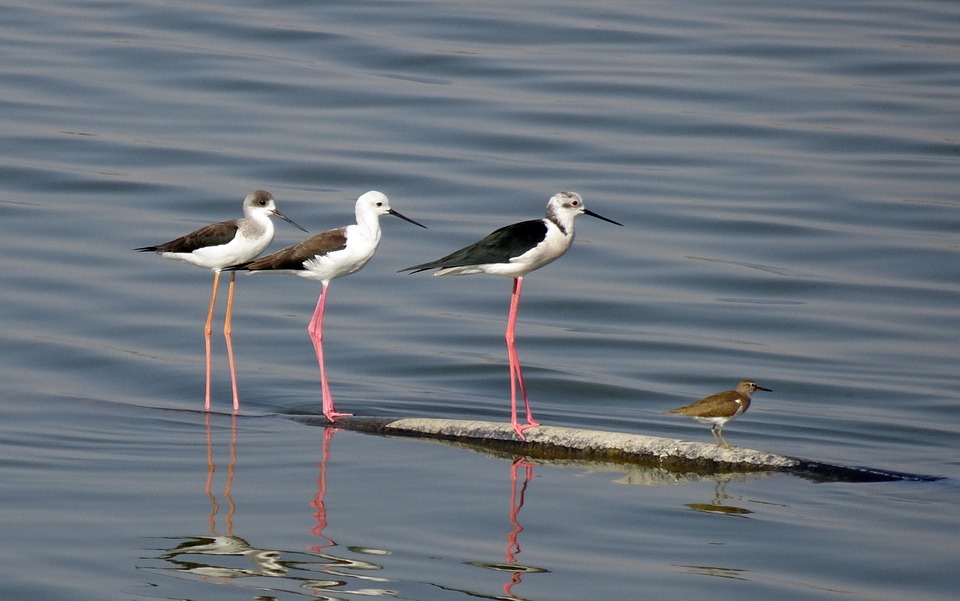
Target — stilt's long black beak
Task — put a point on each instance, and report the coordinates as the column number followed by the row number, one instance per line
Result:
column 601, row 217
column 288, row 220
column 396, row 214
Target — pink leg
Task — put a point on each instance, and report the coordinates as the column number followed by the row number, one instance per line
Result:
column 207, row 330
column 316, row 334
column 516, row 375
column 227, row 331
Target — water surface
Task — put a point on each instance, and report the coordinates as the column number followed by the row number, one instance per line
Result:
column 787, row 180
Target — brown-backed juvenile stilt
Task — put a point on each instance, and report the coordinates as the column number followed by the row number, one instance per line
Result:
column 220, row 245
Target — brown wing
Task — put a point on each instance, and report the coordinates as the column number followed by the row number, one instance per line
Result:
column 214, row 234
column 293, row 257
column 721, row 404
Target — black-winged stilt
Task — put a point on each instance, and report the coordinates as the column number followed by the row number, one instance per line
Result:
column 513, row 251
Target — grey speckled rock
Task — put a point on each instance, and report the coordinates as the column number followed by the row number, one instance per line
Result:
column 555, row 443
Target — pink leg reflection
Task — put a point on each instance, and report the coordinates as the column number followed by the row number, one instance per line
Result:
column 516, row 504
column 318, row 499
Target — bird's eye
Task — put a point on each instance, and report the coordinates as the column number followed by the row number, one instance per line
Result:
column 379, row 204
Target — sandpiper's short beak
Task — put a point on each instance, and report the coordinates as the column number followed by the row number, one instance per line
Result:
column 396, row 214
column 288, row 220
column 762, row 388
column 592, row 214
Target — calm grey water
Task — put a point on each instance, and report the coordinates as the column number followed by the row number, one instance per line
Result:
column 787, row 175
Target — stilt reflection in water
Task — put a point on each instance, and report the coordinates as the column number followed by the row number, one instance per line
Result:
column 331, row 564
column 518, row 492
column 212, row 558
column 231, row 471
column 195, row 555
column 517, row 495
column 320, row 554
column 318, row 503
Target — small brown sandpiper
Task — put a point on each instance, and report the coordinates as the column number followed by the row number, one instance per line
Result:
column 718, row 409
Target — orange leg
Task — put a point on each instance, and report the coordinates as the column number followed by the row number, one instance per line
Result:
column 207, row 330
column 227, row 331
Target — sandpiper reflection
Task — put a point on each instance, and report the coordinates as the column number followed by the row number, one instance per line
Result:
column 720, row 503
